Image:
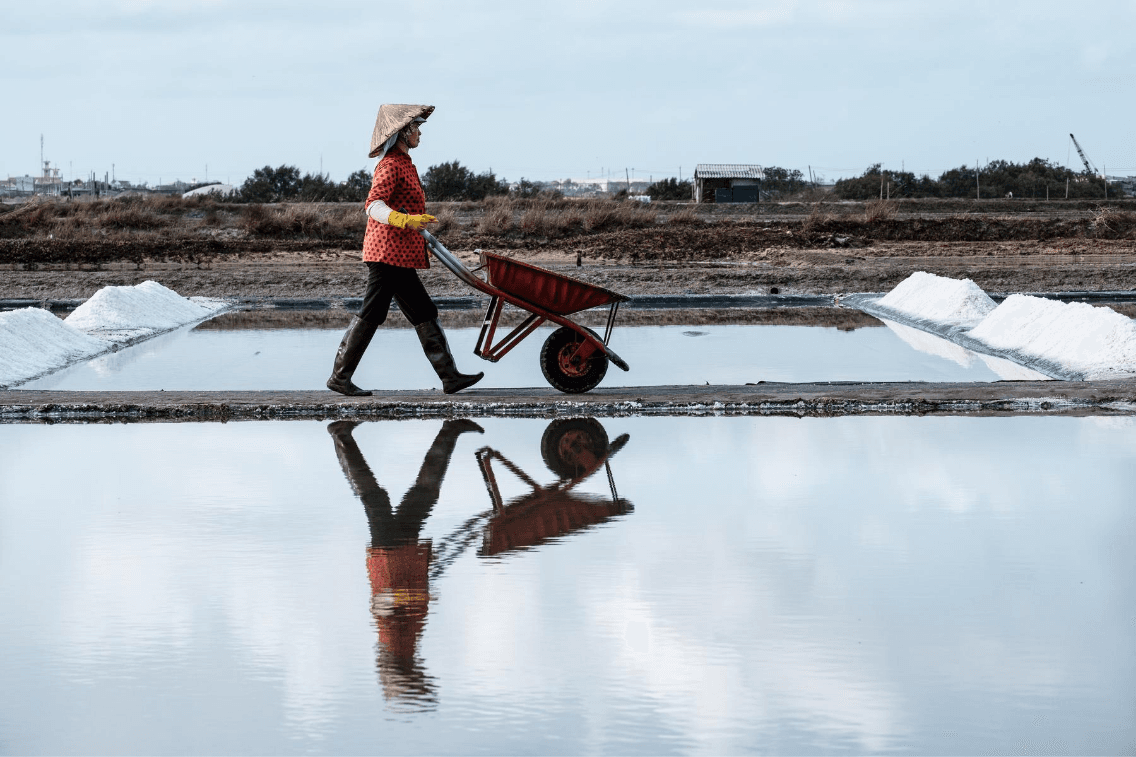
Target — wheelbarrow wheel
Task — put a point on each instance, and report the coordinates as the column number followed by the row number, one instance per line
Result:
column 565, row 373
column 572, row 447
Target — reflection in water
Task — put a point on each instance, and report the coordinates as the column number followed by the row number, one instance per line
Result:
column 573, row 449
column 400, row 565
column 397, row 562
column 930, row 344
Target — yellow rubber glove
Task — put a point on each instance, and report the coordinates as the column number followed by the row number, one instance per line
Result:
column 414, row 223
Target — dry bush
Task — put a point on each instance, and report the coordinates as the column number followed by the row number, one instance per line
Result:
column 276, row 222
column 498, row 216
column 602, row 215
column 130, row 216
column 306, row 221
column 818, row 216
column 344, row 221
column 1110, row 222
column 546, row 219
column 686, row 216
column 879, row 210
column 447, row 219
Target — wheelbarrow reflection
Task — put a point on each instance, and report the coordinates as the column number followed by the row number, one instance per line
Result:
column 573, row 449
column 400, row 564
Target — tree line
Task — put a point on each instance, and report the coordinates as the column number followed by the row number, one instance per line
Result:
column 446, row 181
column 452, row 181
column 449, row 181
column 999, row 178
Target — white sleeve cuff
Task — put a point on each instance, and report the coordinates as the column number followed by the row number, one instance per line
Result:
column 380, row 211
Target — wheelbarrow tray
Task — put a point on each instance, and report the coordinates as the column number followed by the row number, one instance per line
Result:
column 549, row 290
column 546, row 295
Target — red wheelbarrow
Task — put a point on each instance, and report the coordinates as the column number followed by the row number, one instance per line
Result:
column 574, row 358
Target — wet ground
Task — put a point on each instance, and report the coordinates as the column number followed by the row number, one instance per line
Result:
column 631, row 585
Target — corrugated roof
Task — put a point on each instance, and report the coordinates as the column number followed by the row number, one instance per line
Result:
column 728, row 171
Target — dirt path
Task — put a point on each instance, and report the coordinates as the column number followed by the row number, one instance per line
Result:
column 816, row 399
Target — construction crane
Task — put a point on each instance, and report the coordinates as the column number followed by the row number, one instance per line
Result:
column 1088, row 166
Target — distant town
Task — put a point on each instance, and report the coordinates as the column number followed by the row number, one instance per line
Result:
column 51, row 183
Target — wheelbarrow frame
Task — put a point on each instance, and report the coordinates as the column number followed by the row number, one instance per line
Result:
column 538, row 313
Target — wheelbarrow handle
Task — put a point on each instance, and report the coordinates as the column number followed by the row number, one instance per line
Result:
column 453, row 263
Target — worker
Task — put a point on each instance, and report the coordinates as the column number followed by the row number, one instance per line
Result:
column 393, row 250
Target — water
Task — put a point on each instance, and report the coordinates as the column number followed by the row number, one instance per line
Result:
column 849, row 585
column 301, row 359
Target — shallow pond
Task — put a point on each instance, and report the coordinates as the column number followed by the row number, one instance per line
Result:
column 636, row 585
column 203, row 359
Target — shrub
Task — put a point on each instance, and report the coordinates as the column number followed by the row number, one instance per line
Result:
column 270, row 184
column 879, row 210
column 498, row 216
column 671, row 189
column 453, row 181
column 686, row 216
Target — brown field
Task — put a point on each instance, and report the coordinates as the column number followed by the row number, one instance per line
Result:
column 61, row 250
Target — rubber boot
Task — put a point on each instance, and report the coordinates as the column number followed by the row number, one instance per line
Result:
column 438, row 353
column 351, row 349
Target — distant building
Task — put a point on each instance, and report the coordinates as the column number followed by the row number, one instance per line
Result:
column 592, row 187
column 727, row 182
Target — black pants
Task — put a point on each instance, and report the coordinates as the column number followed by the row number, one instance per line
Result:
column 384, row 282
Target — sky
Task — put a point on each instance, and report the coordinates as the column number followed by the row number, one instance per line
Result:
column 158, row 90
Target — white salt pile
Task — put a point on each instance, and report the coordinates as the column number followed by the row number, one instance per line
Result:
column 1081, row 340
column 127, row 312
column 927, row 297
column 33, row 342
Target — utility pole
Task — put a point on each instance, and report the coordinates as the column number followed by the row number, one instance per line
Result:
column 977, row 186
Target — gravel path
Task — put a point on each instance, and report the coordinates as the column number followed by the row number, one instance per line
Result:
column 802, row 400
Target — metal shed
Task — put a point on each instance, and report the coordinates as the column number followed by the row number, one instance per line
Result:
column 727, row 182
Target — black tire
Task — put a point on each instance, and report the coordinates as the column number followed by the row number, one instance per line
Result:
column 571, row 446
column 572, row 379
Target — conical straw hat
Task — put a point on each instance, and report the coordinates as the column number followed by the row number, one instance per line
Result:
column 393, row 119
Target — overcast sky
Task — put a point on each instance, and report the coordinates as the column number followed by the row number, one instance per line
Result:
column 163, row 89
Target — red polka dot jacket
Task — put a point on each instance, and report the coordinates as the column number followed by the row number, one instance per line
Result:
column 396, row 183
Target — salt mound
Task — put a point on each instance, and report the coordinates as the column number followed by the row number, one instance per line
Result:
column 33, row 341
column 927, row 297
column 147, row 307
column 1083, row 341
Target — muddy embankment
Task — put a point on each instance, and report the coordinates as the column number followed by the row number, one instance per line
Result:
column 672, row 249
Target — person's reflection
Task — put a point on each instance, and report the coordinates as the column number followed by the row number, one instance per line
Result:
column 397, row 561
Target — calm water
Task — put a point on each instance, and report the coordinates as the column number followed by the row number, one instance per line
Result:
column 636, row 585
column 301, row 359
